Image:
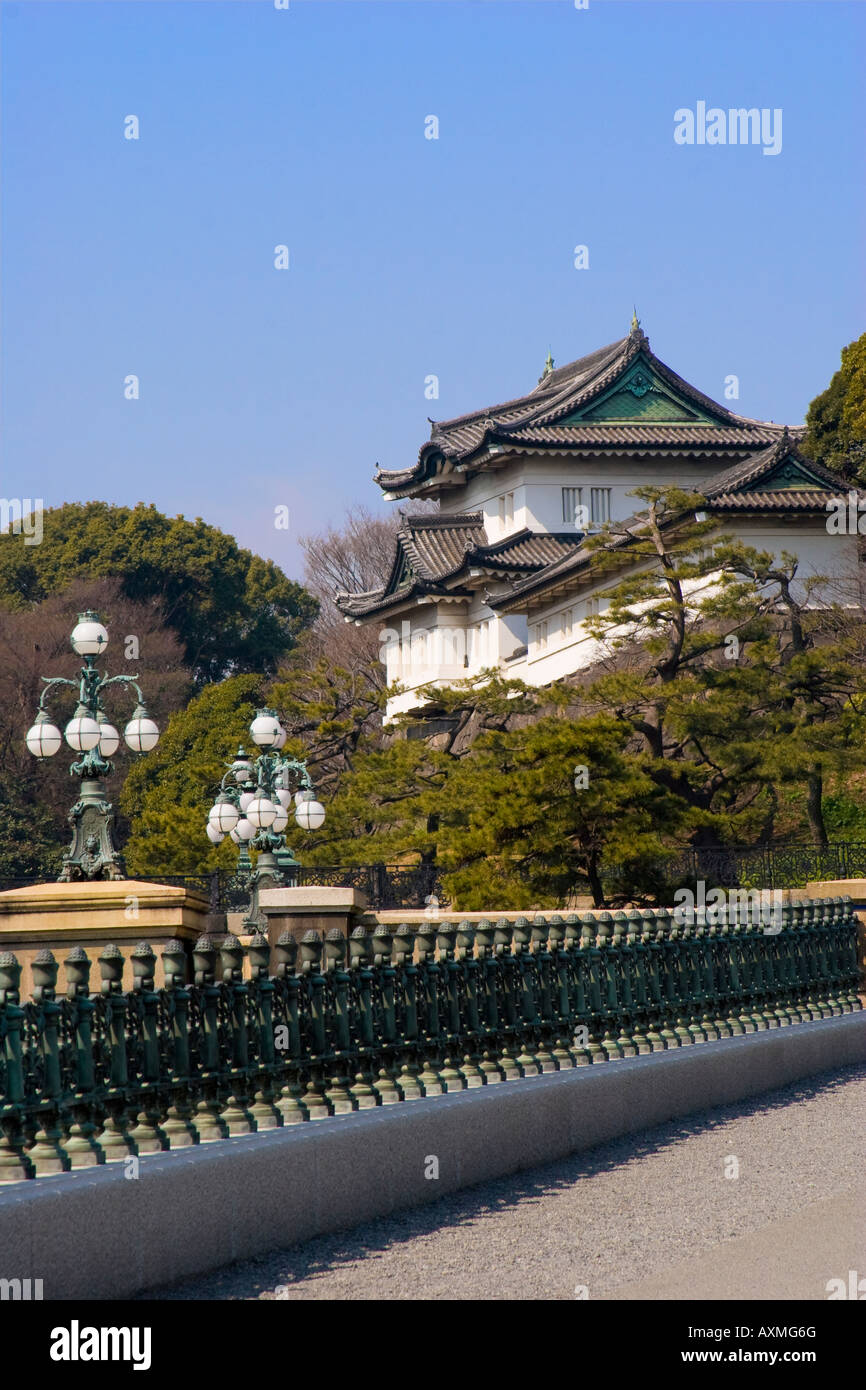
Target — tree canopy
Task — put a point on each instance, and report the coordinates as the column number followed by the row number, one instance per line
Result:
column 167, row 795
column 233, row 611
column 836, row 419
column 736, row 676
column 532, row 812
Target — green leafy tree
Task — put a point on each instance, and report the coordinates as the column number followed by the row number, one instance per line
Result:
column 669, row 632
column 167, row 795
column 386, row 798
column 386, row 810
column 31, row 841
column 233, row 611
column 845, row 814
column 811, row 715
column 836, row 419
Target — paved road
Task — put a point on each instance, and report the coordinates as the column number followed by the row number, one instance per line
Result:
column 653, row 1217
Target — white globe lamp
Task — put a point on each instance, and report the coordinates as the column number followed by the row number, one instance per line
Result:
column 44, row 738
column 141, row 733
column 223, row 815
column 310, row 815
column 265, row 730
column 109, row 738
column 82, row 733
column 261, row 812
column 241, row 768
column 88, row 637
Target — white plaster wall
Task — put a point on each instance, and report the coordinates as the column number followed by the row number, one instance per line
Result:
column 537, row 482
column 424, row 644
column 488, row 640
column 441, row 643
column 820, row 555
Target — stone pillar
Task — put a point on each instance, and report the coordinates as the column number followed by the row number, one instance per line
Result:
column 855, row 889
column 300, row 910
column 119, row 912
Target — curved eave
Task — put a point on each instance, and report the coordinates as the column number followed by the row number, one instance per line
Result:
column 793, row 502
column 415, row 598
column 501, row 450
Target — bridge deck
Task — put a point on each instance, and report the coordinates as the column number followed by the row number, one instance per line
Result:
column 651, row 1216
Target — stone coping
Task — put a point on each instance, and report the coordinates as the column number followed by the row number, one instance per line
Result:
column 86, row 896
column 854, row 888
column 311, row 899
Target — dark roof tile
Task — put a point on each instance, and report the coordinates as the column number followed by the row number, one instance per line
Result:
column 438, row 549
column 533, row 419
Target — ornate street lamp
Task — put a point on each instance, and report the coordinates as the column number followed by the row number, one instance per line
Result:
column 253, row 805
column 93, row 852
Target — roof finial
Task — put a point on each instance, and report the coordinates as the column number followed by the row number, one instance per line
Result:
column 635, row 321
column 548, row 365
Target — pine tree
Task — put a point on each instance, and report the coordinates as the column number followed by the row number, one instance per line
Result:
column 736, row 677
column 533, row 814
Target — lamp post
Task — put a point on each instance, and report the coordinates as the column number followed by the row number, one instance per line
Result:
column 252, row 808
column 93, row 852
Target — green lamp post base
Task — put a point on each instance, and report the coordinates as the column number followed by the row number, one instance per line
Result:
column 273, row 869
column 93, row 853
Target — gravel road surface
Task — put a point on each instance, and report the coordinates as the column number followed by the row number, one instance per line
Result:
column 658, row 1215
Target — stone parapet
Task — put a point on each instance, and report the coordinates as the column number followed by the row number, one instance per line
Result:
column 120, row 912
column 299, row 910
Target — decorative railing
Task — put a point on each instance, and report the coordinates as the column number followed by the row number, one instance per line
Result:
column 392, row 887
column 387, row 886
column 767, row 866
column 389, row 1016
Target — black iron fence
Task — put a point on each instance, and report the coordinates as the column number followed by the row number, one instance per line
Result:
column 386, row 886
column 768, row 866
column 396, row 886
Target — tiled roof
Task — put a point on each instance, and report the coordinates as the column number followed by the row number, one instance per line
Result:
column 527, row 550
column 791, row 500
column 695, row 438
column 563, row 568
column 749, row 471
column 432, row 551
column 535, row 419
column 436, row 545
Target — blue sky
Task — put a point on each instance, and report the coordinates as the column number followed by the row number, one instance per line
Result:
column 408, row 257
